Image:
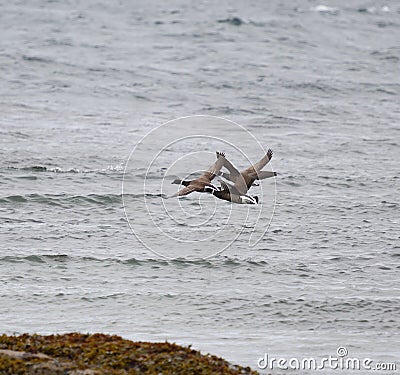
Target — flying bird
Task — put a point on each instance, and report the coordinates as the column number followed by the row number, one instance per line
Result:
column 203, row 183
column 228, row 193
column 242, row 181
column 245, row 179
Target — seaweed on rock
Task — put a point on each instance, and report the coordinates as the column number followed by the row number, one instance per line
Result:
column 92, row 354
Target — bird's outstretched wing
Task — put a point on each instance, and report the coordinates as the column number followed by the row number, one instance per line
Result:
column 262, row 175
column 185, row 191
column 213, row 171
column 260, row 164
column 234, row 173
column 240, row 184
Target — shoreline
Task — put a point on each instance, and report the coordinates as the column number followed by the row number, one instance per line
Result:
column 96, row 354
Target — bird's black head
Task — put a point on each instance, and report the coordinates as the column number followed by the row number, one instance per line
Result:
column 177, row 182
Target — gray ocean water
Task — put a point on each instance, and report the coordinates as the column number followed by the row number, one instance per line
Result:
column 318, row 82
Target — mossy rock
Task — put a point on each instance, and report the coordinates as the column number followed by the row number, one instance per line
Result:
column 91, row 354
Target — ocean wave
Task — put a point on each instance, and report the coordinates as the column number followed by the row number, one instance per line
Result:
column 221, row 261
column 61, row 199
column 69, row 199
column 324, row 9
column 235, row 21
column 40, row 59
column 42, row 168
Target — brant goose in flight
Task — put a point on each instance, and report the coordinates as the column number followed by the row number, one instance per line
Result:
column 242, row 181
column 230, row 193
column 203, row 183
column 245, row 179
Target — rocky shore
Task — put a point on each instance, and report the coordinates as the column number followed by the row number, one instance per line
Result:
column 96, row 354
